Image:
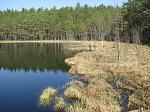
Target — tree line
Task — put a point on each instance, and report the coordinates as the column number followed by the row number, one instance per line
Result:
column 136, row 16
column 67, row 23
column 129, row 23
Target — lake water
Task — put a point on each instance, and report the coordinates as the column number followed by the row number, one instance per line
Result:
column 27, row 69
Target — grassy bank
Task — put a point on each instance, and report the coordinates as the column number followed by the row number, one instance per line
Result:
column 117, row 79
column 114, row 78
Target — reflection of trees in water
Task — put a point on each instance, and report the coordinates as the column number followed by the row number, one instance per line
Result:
column 33, row 57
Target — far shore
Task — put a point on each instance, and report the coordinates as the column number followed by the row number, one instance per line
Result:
column 40, row 41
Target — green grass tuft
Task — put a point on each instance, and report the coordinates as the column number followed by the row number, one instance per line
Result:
column 46, row 96
column 60, row 104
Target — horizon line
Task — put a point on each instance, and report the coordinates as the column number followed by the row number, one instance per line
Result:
column 51, row 7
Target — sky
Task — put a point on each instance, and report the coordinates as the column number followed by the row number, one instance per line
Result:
column 19, row 4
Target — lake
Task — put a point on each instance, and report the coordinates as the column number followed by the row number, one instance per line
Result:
column 26, row 69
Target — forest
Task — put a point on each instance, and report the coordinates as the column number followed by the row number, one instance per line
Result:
column 77, row 58
column 128, row 23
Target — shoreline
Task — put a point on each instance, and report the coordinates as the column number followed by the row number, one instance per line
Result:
column 41, row 41
column 110, row 84
column 116, row 85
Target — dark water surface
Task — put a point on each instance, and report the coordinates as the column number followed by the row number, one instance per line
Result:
column 25, row 70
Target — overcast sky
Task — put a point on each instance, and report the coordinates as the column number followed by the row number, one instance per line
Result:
column 19, row 4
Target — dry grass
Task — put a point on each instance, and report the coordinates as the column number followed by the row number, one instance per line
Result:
column 130, row 62
column 97, row 96
column 46, row 96
column 60, row 104
column 74, row 91
column 132, row 71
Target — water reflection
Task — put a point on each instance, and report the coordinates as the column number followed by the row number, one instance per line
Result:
column 27, row 69
column 33, row 57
